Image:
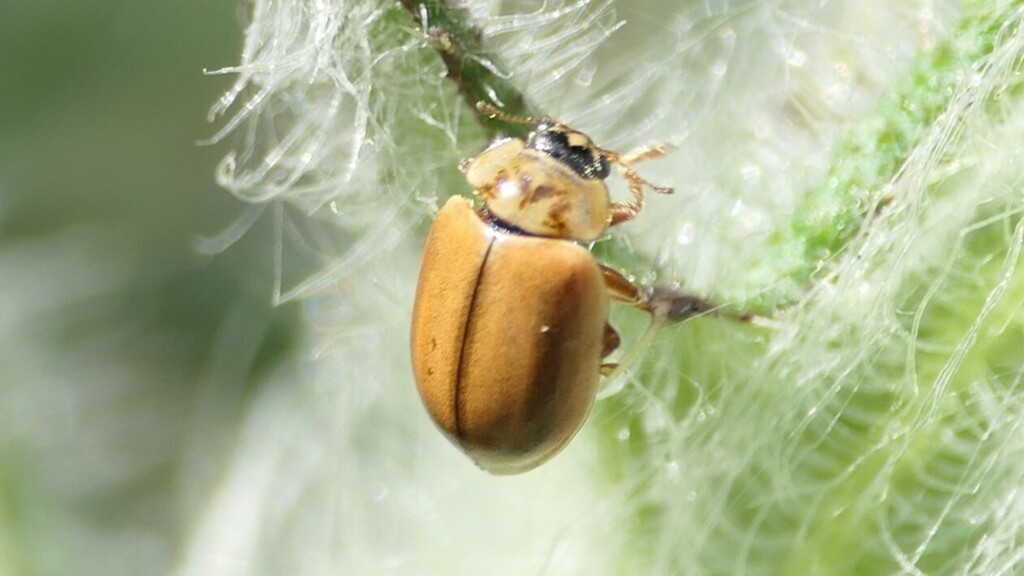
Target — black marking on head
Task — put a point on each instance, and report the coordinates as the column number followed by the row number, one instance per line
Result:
column 553, row 139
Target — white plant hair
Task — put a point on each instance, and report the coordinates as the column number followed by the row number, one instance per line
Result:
column 873, row 428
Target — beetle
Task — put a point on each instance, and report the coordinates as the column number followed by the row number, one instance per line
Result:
column 510, row 324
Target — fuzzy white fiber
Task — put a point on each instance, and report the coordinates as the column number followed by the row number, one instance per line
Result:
column 872, row 428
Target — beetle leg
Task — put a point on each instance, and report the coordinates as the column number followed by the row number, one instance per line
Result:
column 642, row 154
column 675, row 306
column 664, row 302
column 621, row 289
column 611, row 341
column 678, row 306
column 611, row 344
column 626, row 211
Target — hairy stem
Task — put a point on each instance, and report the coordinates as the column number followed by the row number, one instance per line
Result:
column 871, row 156
column 472, row 67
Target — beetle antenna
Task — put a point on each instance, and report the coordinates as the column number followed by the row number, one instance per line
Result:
column 492, row 112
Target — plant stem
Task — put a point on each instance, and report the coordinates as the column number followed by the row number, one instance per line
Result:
column 475, row 71
column 871, row 156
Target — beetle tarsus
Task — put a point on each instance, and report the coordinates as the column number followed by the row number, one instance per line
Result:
column 676, row 306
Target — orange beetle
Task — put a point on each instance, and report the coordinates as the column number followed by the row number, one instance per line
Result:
column 510, row 326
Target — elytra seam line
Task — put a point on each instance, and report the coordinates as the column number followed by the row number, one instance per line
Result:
column 465, row 331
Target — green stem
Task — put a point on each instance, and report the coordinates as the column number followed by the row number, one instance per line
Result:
column 476, row 72
column 870, row 157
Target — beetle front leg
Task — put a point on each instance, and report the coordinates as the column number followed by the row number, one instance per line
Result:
column 626, row 211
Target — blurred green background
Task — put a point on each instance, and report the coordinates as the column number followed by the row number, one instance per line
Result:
column 125, row 354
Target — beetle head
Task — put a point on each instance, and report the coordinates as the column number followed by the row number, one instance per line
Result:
column 570, row 147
